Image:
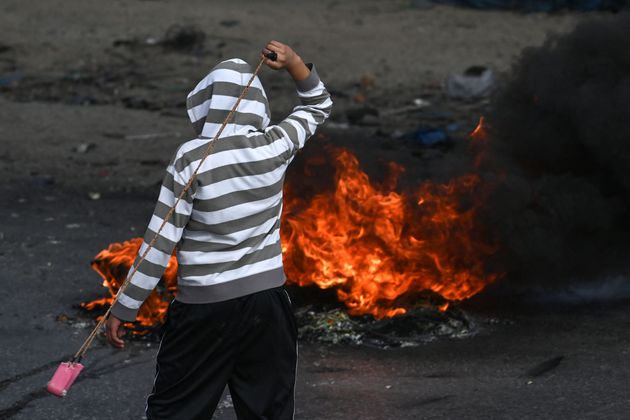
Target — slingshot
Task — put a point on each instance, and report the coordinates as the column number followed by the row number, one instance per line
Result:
column 67, row 372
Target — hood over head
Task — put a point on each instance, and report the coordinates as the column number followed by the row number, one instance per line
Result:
column 214, row 96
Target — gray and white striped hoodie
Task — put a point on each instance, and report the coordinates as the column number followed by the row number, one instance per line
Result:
column 227, row 229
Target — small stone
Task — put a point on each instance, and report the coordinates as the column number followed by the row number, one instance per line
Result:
column 421, row 103
column 84, row 147
column 368, row 81
column 229, row 23
column 359, row 98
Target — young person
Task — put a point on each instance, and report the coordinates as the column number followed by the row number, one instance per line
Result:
column 231, row 321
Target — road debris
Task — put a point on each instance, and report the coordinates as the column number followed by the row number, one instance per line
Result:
column 184, row 38
column 83, row 148
column 474, row 83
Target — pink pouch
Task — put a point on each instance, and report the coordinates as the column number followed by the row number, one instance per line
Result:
column 64, row 377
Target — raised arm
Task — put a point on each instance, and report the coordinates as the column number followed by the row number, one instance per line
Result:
column 316, row 102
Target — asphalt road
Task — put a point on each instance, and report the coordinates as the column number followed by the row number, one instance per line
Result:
column 545, row 362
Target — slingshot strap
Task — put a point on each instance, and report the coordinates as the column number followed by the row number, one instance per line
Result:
column 88, row 341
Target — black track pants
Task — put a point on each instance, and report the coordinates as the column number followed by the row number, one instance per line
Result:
column 248, row 343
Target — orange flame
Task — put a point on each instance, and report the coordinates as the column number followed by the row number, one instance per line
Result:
column 375, row 248
column 479, row 133
column 479, row 138
column 113, row 264
column 378, row 248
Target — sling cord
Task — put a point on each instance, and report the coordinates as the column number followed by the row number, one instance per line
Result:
column 88, row 341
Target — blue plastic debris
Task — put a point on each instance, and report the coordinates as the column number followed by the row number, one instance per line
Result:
column 452, row 127
column 10, row 79
column 429, row 136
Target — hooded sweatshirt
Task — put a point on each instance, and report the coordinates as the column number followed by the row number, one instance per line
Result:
column 226, row 229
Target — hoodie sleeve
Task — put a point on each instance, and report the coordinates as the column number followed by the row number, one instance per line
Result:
column 150, row 271
column 303, row 121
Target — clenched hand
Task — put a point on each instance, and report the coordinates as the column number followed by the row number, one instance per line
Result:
column 287, row 59
column 114, row 330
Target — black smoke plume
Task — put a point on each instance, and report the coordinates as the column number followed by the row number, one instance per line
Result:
column 559, row 159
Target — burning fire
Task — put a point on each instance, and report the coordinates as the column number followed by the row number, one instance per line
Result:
column 479, row 133
column 377, row 247
column 113, row 264
column 380, row 249
column 479, row 137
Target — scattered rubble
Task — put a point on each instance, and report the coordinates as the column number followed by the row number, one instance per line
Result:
column 327, row 323
column 417, row 326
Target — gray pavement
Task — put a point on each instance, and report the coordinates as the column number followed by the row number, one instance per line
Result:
column 547, row 362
